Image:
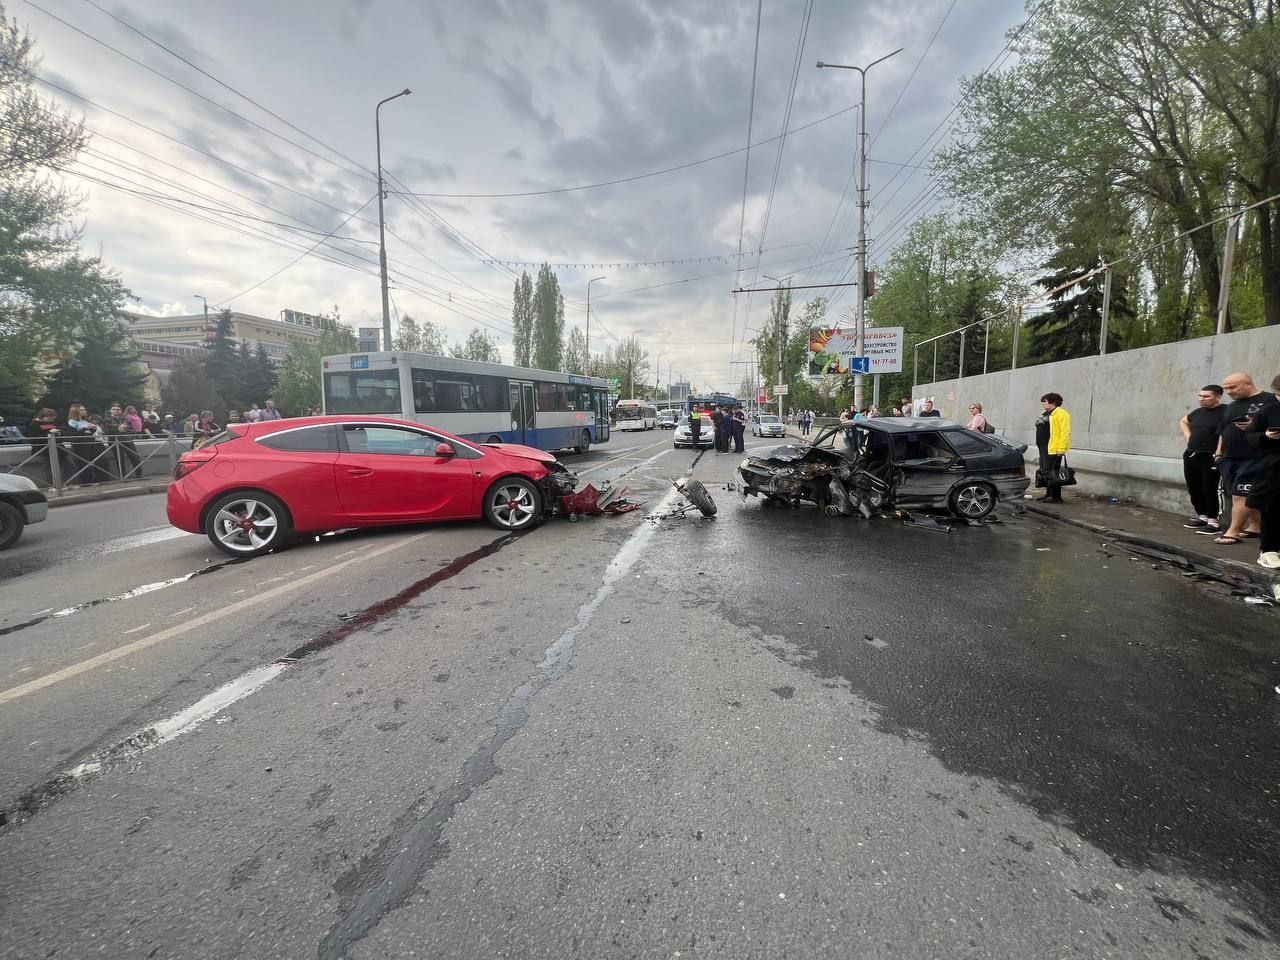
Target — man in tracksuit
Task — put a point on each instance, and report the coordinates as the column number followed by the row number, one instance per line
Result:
column 717, row 420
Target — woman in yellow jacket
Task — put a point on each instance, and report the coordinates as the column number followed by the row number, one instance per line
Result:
column 1053, row 437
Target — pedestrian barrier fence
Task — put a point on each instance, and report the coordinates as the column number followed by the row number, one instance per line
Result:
column 60, row 462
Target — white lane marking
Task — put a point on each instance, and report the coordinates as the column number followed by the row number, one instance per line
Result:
column 610, row 462
column 184, row 721
column 182, row 611
column 158, row 734
column 309, row 566
column 159, row 535
column 345, row 553
column 137, row 629
column 269, row 580
column 48, row 680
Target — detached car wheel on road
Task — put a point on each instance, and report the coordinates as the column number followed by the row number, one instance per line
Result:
column 21, row 503
column 251, row 488
column 888, row 463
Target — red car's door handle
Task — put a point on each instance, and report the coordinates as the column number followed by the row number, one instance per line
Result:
column 359, row 472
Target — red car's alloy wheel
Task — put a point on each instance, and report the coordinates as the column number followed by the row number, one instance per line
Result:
column 513, row 504
column 244, row 525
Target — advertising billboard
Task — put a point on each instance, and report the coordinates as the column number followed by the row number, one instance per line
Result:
column 831, row 349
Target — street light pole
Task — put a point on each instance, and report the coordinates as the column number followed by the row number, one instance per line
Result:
column 860, row 295
column 206, row 309
column 382, row 223
column 589, row 283
column 781, row 332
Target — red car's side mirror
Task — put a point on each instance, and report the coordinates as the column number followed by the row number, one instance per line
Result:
column 445, row 450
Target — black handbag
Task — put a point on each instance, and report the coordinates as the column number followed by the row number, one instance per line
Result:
column 1063, row 475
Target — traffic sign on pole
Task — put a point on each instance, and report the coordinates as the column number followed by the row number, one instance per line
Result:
column 780, row 390
column 859, row 364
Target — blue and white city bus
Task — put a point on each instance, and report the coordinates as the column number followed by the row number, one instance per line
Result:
column 482, row 402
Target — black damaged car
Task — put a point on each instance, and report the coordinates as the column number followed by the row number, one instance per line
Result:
column 867, row 466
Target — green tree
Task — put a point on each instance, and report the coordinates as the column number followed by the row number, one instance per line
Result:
column 522, row 320
column 222, row 361
column 299, row 387
column 574, row 359
column 424, row 337
column 548, row 322
column 478, row 346
column 629, row 363
column 1072, row 325
column 47, row 289
column 103, row 369
column 259, row 378
column 189, row 390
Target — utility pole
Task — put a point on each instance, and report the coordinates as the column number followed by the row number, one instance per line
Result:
column 589, row 283
column 860, row 295
column 382, row 221
column 784, row 283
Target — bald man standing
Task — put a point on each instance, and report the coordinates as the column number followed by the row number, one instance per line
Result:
column 1238, row 454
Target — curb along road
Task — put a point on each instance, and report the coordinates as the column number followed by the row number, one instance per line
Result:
column 1230, row 569
column 115, row 493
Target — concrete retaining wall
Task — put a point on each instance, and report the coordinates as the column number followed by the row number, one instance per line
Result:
column 1124, row 407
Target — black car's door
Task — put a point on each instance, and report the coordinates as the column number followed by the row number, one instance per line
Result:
column 926, row 467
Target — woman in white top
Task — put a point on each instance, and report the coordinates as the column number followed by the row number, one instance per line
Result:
column 978, row 423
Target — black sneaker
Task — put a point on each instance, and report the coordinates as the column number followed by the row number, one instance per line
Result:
column 1195, row 522
column 1211, row 529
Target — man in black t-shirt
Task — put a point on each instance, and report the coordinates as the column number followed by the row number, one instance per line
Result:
column 1238, row 454
column 1200, row 428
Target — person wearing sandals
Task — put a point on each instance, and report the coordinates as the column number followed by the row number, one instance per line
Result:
column 1238, row 455
column 1265, row 493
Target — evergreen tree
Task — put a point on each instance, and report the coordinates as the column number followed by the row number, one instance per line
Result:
column 221, row 361
column 408, row 336
column 244, row 372
column 522, row 320
column 548, row 321
column 102, row 369
column 259, row 378
column 1072, row 325
column 15, row 405
column 189, row 390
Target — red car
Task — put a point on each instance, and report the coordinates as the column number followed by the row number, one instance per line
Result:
column 255, row 485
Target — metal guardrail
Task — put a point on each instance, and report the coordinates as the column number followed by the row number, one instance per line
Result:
column 1014, row 313
column 61, row 462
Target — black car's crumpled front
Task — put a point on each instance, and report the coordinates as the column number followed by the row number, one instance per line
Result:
column 874, row 465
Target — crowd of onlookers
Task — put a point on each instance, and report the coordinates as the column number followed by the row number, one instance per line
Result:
column 92, row 447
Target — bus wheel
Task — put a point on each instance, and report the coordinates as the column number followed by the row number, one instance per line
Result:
column 584, row 444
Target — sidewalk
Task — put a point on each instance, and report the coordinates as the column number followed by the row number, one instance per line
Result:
column 107, row 491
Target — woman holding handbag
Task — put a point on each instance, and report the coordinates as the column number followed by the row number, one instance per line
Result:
column 1053, row 438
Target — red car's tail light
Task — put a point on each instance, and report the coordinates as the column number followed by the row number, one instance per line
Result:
column 189, row 463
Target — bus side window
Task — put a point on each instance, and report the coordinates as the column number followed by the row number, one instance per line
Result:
column 424, row 394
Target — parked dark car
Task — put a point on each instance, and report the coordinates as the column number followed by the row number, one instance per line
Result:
column 898, row 462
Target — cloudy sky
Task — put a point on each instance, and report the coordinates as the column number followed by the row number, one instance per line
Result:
column 509, row 97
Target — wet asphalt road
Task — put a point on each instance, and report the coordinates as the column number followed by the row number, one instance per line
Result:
column 766, row 735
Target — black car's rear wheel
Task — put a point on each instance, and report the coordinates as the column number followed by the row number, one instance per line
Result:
column 973, row 500
column 513, row 503
column 247, row 524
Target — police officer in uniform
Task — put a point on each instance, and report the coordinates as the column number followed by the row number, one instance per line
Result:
column 695, row 426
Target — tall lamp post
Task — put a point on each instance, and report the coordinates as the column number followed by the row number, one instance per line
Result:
column 382, row 223
column 860, row 294
column 782, row 339
column 589, row 283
